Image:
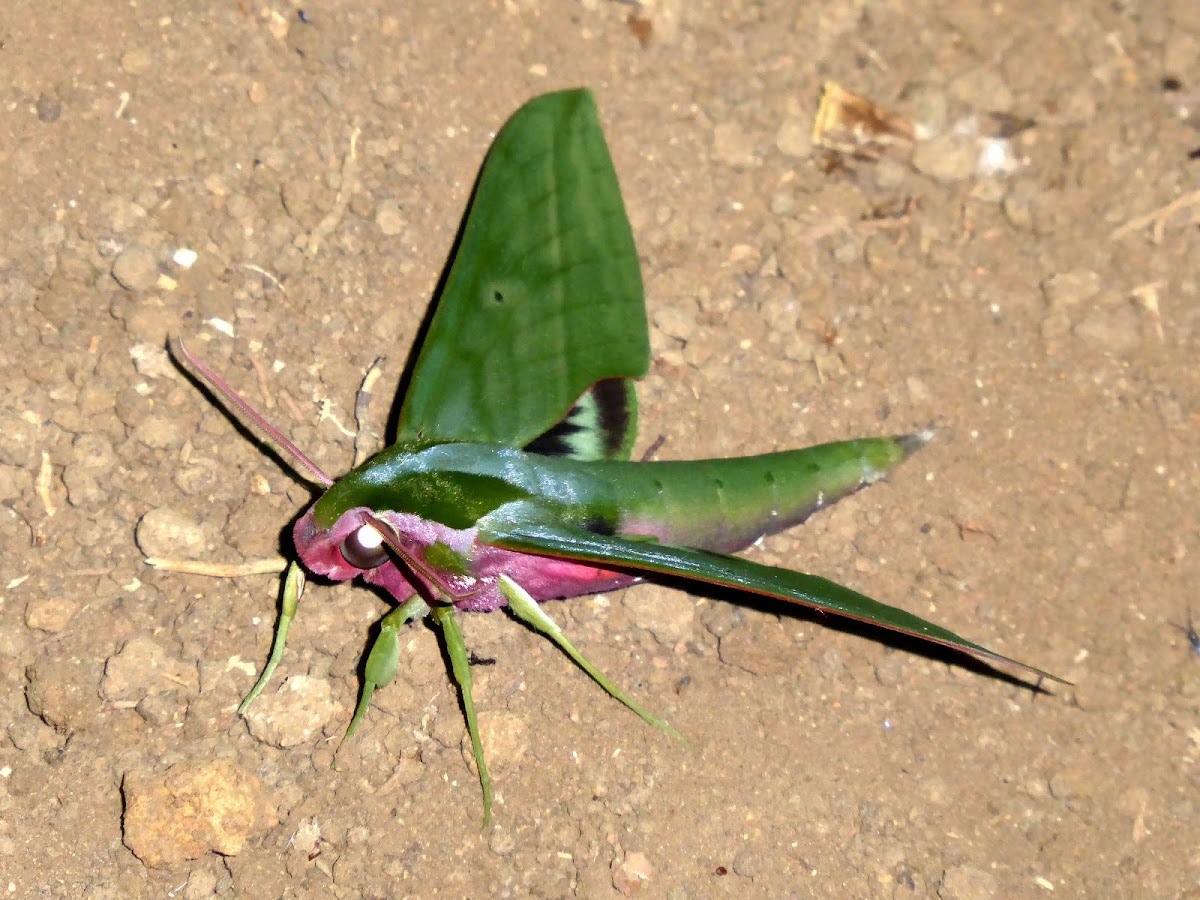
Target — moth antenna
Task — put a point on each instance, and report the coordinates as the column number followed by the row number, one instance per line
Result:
column 234, row 399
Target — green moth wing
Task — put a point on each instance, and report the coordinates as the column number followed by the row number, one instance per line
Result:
column 527, row 532
column 544, row 297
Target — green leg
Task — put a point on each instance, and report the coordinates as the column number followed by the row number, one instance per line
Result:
column 531, row 613
column 460, row 666
column 385, row 655
column 293, row 589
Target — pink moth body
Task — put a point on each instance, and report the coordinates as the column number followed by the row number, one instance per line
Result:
column 543, row 577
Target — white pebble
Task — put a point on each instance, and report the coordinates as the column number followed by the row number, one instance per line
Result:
column 220, row 325
column 185, row 257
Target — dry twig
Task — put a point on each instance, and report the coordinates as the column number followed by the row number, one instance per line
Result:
column 270, row 566
column 1161, row 217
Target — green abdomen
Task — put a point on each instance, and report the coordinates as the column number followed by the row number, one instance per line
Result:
column 727, row 504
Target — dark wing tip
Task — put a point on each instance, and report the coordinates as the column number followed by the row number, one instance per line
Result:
column 597, row 427
column 911, row 443
column 612, row 407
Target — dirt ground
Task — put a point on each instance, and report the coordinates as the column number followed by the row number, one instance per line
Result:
column 1017, row 294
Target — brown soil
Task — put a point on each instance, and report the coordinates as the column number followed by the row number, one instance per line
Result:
column 1054, row 518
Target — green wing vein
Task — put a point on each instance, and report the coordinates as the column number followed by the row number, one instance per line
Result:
column 544, row 296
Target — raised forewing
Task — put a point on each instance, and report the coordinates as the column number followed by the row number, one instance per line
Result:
column 544, row 296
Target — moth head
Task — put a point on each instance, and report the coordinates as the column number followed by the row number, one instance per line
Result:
column 352, row 546
column 356, row 544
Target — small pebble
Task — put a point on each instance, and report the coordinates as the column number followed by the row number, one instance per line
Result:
column 1114, row 330
column 143, row 668
column 50, row 614
column 918, row 390
column 967, row 883
column 631, row 873
column 389, row 218
column 1054, row 328
column 1070, row 288
column 1078, row 105
column 222, row 325
column 761, row 647
column 1181, row 53
column 201, row 885
column 192, row 809
column 831, row 665
column 667, row 614
column 160, row 710
column 168, row 534
column 675, row 322
column 721, row 619
column 1018, row 204
column 930, row 107
column 136, row 61
column 794, row 138
column 151, row 321
column 278, row 25
column 935, row 791
column 17, row 438
column 135, row 268
column 13, row 482
column 749, row 864
column 506, row 737
column 502, row 842
column 61, row 688
column 48, row 108
column 783, row 203
column 996, row 158
column 159, row 432
column 124, row 215
column 982, row 89
column 947, row 158
column 294, row 714
column 1071, row 783
column 151, row 361
column 890, row 174
column 733, row 145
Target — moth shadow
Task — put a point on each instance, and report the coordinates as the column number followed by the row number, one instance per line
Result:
column 880, row 635
column 284, row 463
column 392, row 429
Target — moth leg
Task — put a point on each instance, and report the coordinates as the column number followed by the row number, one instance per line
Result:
column 460, row 666
column 293, row 589
column 385, row 655
column 531, row 613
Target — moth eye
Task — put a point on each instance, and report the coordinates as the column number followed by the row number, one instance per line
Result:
column 364, row 548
